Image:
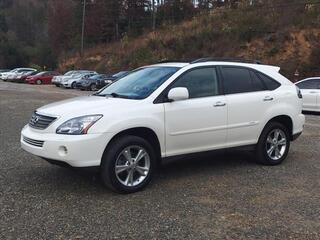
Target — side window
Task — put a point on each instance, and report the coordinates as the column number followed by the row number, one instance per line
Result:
column 257, row 84
column 270, row 83
column 201, row 82
column 236, row 80
column 309, row 84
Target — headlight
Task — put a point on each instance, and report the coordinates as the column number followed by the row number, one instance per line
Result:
column 79, row 125
column 108, row 81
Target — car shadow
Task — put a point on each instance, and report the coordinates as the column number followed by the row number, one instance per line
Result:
column 311, row 113
column 206, row 163
column 86, row 181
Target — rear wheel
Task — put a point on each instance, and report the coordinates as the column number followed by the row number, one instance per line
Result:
column 273, row 145
column 128, row 164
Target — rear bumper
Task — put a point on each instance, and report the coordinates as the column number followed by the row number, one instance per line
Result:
column 298, row 124
column 295, row 136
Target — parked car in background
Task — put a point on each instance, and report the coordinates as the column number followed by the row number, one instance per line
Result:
column 22, row 78
column 71, row 81
column 106, row 80
column 4, row 70
column 91, row 83
column 15, row 72
column 3, row 73
column 169, row 110
column 42, row 77
column 310, row 90
column 56, row 80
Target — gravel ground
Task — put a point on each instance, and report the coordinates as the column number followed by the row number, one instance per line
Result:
column 221, row 196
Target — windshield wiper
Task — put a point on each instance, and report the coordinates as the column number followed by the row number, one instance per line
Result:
column 116, row 95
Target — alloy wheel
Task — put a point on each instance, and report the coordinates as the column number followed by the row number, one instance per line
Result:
column 276, row 144
column 132, row 166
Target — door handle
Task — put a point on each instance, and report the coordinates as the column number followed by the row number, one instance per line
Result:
column 313, row 92
column 268, row 98
column 219, row 104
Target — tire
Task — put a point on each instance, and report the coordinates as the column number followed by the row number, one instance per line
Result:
column 115, row 156
column 268, row 139
column 38, row 82
column 93, row 87
column 73, row 85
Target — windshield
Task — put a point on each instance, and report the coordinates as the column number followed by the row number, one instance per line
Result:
column 139, row 84
column 98, row 77
column 39, row 73
column 120, row 74
column 69, row 73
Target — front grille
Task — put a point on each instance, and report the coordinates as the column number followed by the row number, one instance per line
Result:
column 33, row 142
column 40, row 121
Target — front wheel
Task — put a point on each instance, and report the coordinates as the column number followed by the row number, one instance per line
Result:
column 128, row 164
column 93, row 87
column 73, row 85
column 38, row 82
column 273, row 145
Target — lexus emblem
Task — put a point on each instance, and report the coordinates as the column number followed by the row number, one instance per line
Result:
column 34, row 120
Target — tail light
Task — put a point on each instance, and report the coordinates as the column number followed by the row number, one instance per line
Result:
column 299, row 92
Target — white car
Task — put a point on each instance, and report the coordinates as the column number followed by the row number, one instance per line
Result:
column 71, row 81
column 168, row 110
column 56, row 80
column 15, row 73
column 310, row 89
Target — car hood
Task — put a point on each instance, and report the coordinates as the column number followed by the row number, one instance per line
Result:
column 87, row 105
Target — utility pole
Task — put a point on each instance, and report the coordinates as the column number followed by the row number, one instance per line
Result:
column 83, row 25
column 153, row 16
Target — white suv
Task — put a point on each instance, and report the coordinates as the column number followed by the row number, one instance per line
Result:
column 168, row 110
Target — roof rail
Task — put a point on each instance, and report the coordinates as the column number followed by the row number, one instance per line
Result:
column 173, row 61
column 215, row 59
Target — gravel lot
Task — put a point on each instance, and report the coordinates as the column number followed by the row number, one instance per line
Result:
column 222, row 196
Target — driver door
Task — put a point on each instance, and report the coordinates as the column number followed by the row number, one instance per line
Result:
column 198, row 123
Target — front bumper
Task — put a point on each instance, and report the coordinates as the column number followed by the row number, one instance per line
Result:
column 65, row 84
column 74, row 150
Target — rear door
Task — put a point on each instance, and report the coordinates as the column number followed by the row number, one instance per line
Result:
column 248, row 99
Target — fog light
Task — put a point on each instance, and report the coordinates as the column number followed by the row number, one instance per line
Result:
column 63, row 151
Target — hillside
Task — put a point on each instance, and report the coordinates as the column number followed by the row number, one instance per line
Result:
column 288, row 40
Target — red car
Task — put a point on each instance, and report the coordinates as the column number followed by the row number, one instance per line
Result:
column 42, row 78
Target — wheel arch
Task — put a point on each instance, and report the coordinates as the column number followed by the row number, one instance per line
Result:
column 286, row 121
column 143, row 132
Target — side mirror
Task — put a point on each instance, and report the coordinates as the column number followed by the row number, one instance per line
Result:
column 178, row 94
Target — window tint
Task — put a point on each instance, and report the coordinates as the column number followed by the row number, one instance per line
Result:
column 236, row 80
column 257, row 84
column 270, row 83
column 309, row 84
column 140, row 83
column 199, row 82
